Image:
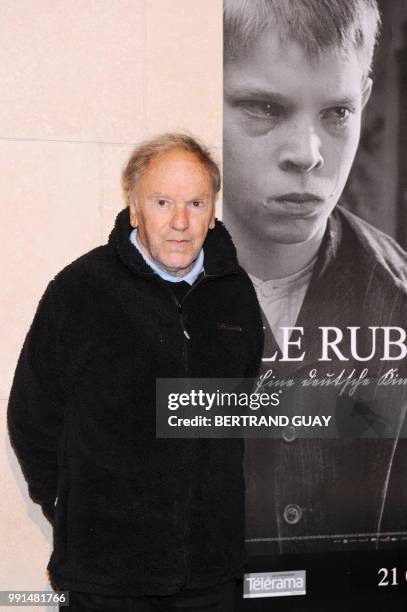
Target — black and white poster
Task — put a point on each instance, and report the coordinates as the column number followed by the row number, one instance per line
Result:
column 315, row 143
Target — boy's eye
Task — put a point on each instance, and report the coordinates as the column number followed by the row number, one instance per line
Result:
column 339, row 115
column 261, row 109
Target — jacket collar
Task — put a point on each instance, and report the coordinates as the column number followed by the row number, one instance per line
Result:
column 219, row 250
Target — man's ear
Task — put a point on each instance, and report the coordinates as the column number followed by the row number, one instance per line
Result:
column 366, row 91
column 133, row 211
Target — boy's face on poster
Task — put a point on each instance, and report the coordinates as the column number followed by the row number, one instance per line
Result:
column 291, row 130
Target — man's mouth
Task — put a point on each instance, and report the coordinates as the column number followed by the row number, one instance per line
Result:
column 179, row 242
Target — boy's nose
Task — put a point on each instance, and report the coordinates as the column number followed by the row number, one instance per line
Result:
column 302, row 151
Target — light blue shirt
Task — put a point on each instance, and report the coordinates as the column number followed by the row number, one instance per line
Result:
column 189, row 278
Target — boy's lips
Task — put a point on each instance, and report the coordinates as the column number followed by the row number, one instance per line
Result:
column 296, row 204
column 298, row 198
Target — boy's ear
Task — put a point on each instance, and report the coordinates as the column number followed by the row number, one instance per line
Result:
column 366, row 90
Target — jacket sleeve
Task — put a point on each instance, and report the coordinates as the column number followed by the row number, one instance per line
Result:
column 35, row 410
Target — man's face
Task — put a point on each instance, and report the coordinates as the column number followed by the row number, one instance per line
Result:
column 291, row 129
column 172, row 205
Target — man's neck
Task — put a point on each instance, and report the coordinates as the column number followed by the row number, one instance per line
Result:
column 267, row 260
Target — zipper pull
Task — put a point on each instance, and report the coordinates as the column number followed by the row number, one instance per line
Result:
column 186, row 334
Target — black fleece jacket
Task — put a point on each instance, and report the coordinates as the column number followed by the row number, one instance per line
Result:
column 133, row 514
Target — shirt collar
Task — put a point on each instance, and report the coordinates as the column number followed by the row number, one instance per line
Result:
column 189, row 278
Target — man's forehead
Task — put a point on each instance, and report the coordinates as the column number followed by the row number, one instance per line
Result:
column 175, row 160
column 175, row 176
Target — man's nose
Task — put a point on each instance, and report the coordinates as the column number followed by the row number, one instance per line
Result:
column 301, row 152
column 179, row 219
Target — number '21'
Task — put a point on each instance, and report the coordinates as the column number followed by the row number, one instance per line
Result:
column 385, row 579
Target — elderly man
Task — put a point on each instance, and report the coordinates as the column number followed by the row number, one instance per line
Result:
column 140, row 523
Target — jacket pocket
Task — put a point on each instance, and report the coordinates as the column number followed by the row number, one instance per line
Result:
column 230, row 327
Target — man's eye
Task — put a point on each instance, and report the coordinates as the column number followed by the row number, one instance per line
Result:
column 197, row 203
column 338, row 116
column 161, row 202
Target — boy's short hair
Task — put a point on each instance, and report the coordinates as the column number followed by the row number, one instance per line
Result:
column 316, row 25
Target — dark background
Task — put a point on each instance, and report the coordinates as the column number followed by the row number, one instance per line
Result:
column 377, row 187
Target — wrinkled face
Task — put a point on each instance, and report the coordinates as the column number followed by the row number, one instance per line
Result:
column 172, row 205
column 291, row 130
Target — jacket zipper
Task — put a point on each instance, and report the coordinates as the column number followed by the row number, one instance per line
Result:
column 186, row 338
column 180, row 310
column 187, row 530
